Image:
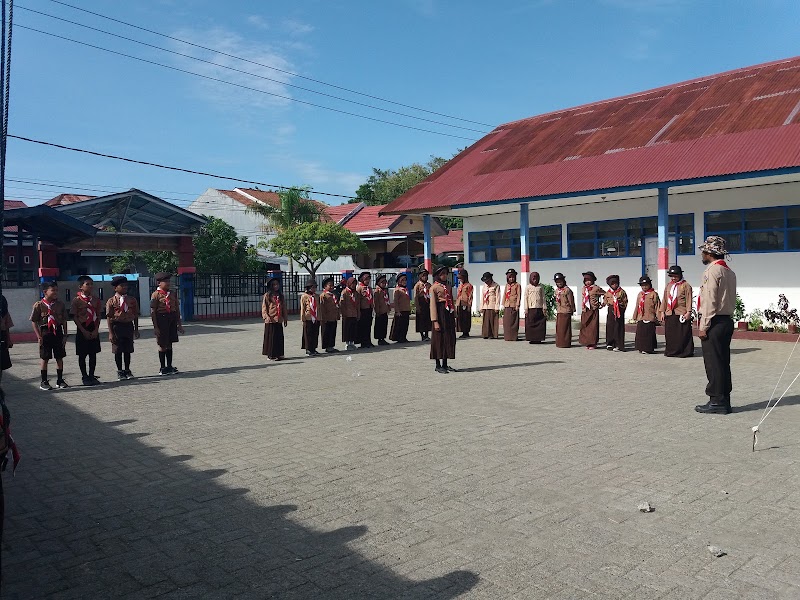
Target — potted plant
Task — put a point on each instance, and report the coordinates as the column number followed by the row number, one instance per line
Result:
column 783, row 316
column 739, row 316
column 756, row 322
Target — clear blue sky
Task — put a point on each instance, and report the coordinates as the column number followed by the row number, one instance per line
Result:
column 484, row 61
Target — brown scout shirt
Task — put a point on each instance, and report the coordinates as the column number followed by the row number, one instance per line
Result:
column 565, row 301
column 328, row 307
column 305, row 306
column 115, row 314
column 348, row 303
column 622, row 300
column 595, row 293
column 464, row 295
column 381, row 301
column 534, row 297
column 683, row 301
column 80, row 309
column 438, row 296
column 422, row 291
column 512, row 296
column 39, row 313
column 366, row 297
column 402, row 301
column 652, row 304
column 490, row 297
column 158, row 302
column 717, row 293
column 272, row 310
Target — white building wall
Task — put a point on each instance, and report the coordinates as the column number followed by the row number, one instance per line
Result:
column 760, row 276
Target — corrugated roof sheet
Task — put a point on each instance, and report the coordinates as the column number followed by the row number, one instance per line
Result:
column 369, row 219
column 453, row 242
column 342, row 212
column 63, row 199
column 740, row 121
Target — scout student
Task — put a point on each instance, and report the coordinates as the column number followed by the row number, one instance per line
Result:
column 402, row 311
column 443, row 320
column 646, row 315
column 511, row 302
column 309, row 316
column 616, row 299
column 49, row 322
column 382, row 307
column 85, row 310
column 490, row 307
column 565, row 308
column 122, row 316
column 328, row 315
column 366, row 303
column 676, row 314
column 5, row 335
column 349, row 305
column 591, row 295
column 273, row 311
column 166, row 315
column 422, row 301
column 715, row 306
column 535, row 305
column 464, row 296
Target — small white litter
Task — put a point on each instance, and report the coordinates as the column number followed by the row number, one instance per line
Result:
column 645, row 507
column 716, row 551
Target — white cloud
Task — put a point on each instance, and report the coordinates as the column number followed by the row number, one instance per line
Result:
column 315, row 174
column 258, row 21
column 297, row 28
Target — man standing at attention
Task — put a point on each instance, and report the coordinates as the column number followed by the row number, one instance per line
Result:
column 715, row 307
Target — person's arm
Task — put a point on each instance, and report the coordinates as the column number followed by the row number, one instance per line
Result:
column 656, row 305
column 135, row 308
column 110, row 319
column 65, row 326
column 154, row 314
column 74, row 308
column 709, row 303
column 432, row 309
column 35, row 320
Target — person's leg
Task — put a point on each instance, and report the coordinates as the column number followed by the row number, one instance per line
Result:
column 92, row 364
column 118, row 360
column 82, row 365
column 127, row 357
column 162, row 357
column 168, row 355
column 43, row 366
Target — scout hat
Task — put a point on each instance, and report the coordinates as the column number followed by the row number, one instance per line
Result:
column 163, row 277
column 401, row 276
column 645, row 279
column 611, row 278
column 311, row 284
column 589, row 275
column 559, row 277
column 675, row 270
column 422, row 271
column 714, row 244
column 380, row 278
column 326, row 281
column 511, row 272
column 271, row 279
column 439, row 270
column 363, row 275
column 486, row 276
column 118, row 280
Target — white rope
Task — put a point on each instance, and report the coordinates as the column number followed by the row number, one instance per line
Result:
column 767, row 408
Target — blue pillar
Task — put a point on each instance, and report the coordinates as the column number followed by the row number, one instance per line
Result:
column 347, row 274
column 409, row 281
column 663, row 237
column 427, row 242
column 524, row 229
column 186, row 285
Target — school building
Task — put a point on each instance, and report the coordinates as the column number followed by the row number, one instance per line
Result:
column 632, row 185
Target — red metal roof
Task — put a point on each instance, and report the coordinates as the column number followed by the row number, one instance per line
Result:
column 368, row 219
column 63, row 199
column 341, row 212
column 740, row 121
column 11, row 205
column 451, row 243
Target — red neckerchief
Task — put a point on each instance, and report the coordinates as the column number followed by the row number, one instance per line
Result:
column 385, row 294
column 613, row 293
column 91, row 314
column 166, row 295
column 402, row 289
column 559, row 291
column 312, row 307
column 508, row 290
column 486, row 294
column 277, row 301
column 642, row 297
column 368, row 294
column 332, row 295
column 353, row 296
column 52, row 324
column 123, row 304
column 426, row 290
column 461, row 286
column 448, row 297
column 672, row 299
column 587, row 300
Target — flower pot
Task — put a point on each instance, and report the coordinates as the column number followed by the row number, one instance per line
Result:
column 741, row 325
column 793, row 328
column 760, row 328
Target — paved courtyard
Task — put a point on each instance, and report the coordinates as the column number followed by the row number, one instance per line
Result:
column 518, row 477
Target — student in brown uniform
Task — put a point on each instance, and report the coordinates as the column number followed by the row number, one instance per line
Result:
column 616, row 299
column 591, row 296
column 464, row 296
column 328, row 315
column 422, row 305
column 49, row 322
column 166, row 315
column 5, row 335
column 366, row 305
column 349, row 305
column 382, row 308
column 309, row 316
column 535, row 305
column 715, row 305
column 122, row 316
column 85, row 310
column 443, row 320
column 490, row 307
column 676, row 314
column 511, row 301
column 645, row 313
column 402, row 311
column 565, row 308
column 274, row 313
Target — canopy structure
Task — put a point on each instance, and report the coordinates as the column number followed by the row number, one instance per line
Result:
column 49, row 225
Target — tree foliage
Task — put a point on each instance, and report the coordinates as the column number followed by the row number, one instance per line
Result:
column 155, row 261
column 309, row 244
column 295, row 207
column 219, row 250
column 383, row 186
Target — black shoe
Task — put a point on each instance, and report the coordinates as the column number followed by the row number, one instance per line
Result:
column 172, row 370
column 713, row 409
column 441, row 370
column 450, row 369
column 164, row 371
column 314, row 353
column 128, row 374
column 45, row 386
column 87, row 381
column 62, row 385
column 122, row 376
column 383, row 343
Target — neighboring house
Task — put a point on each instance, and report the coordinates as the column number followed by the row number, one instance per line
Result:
column 450, row 245
column 19, row 262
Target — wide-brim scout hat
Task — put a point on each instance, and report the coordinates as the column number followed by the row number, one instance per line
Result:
column 511, row 272
column 559, row 277
column 269, row 281
column 118, row 280
column 163, row 277
column 675, row 270
column 401, row 276
column 439, row 270
column 311, row 285
column 589, row 275
column 612, row 278
column 364, row 275
column 714, row 244
column 326, row 281
column 422, row 271
column 380, row 278
column 644, row 279
column 486, row 276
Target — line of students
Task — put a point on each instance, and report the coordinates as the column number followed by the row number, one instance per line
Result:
column 49, row 321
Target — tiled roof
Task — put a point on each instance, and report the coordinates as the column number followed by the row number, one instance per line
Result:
column 451, row 243
column 368, row 219
column 740, row 121
column 341, row 212
column 63, row 199
column 11, row 205
column 245, row 196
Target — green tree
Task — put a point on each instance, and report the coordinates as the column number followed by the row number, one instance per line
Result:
column 219, row 250
column 311, row 243
column 154, row 260
column 295, row 207
column 383, row 186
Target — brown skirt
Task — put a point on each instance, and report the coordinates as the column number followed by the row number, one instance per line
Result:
column 124, row 335
column 678, row 341
column 349, row 329
column 563, row 330
column 535, row 325
column 365, row 326
column 167, row 330
column 590, row 327
column 646, row 337
column 310, row 336
column 615, row 331
column 273, row 340
column 491, row 321
column 381, row 326
column 422, row 321
column 399, row 330
column 464, row 319
column 443, row 342
column 329, row 334
column 510, row 324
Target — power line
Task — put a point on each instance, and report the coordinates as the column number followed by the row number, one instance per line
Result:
column 180, row 169
column 49, row 182
column 239, row 85
column 338, row 87
column 251, row 74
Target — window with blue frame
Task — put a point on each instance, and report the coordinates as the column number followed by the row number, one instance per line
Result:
column 494, row 246
column 544, row 242
column 625, row 237
column 773, row 229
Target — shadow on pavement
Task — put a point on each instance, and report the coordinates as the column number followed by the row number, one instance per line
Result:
column 510, row 366
column 787, row 401
column 95, row 513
